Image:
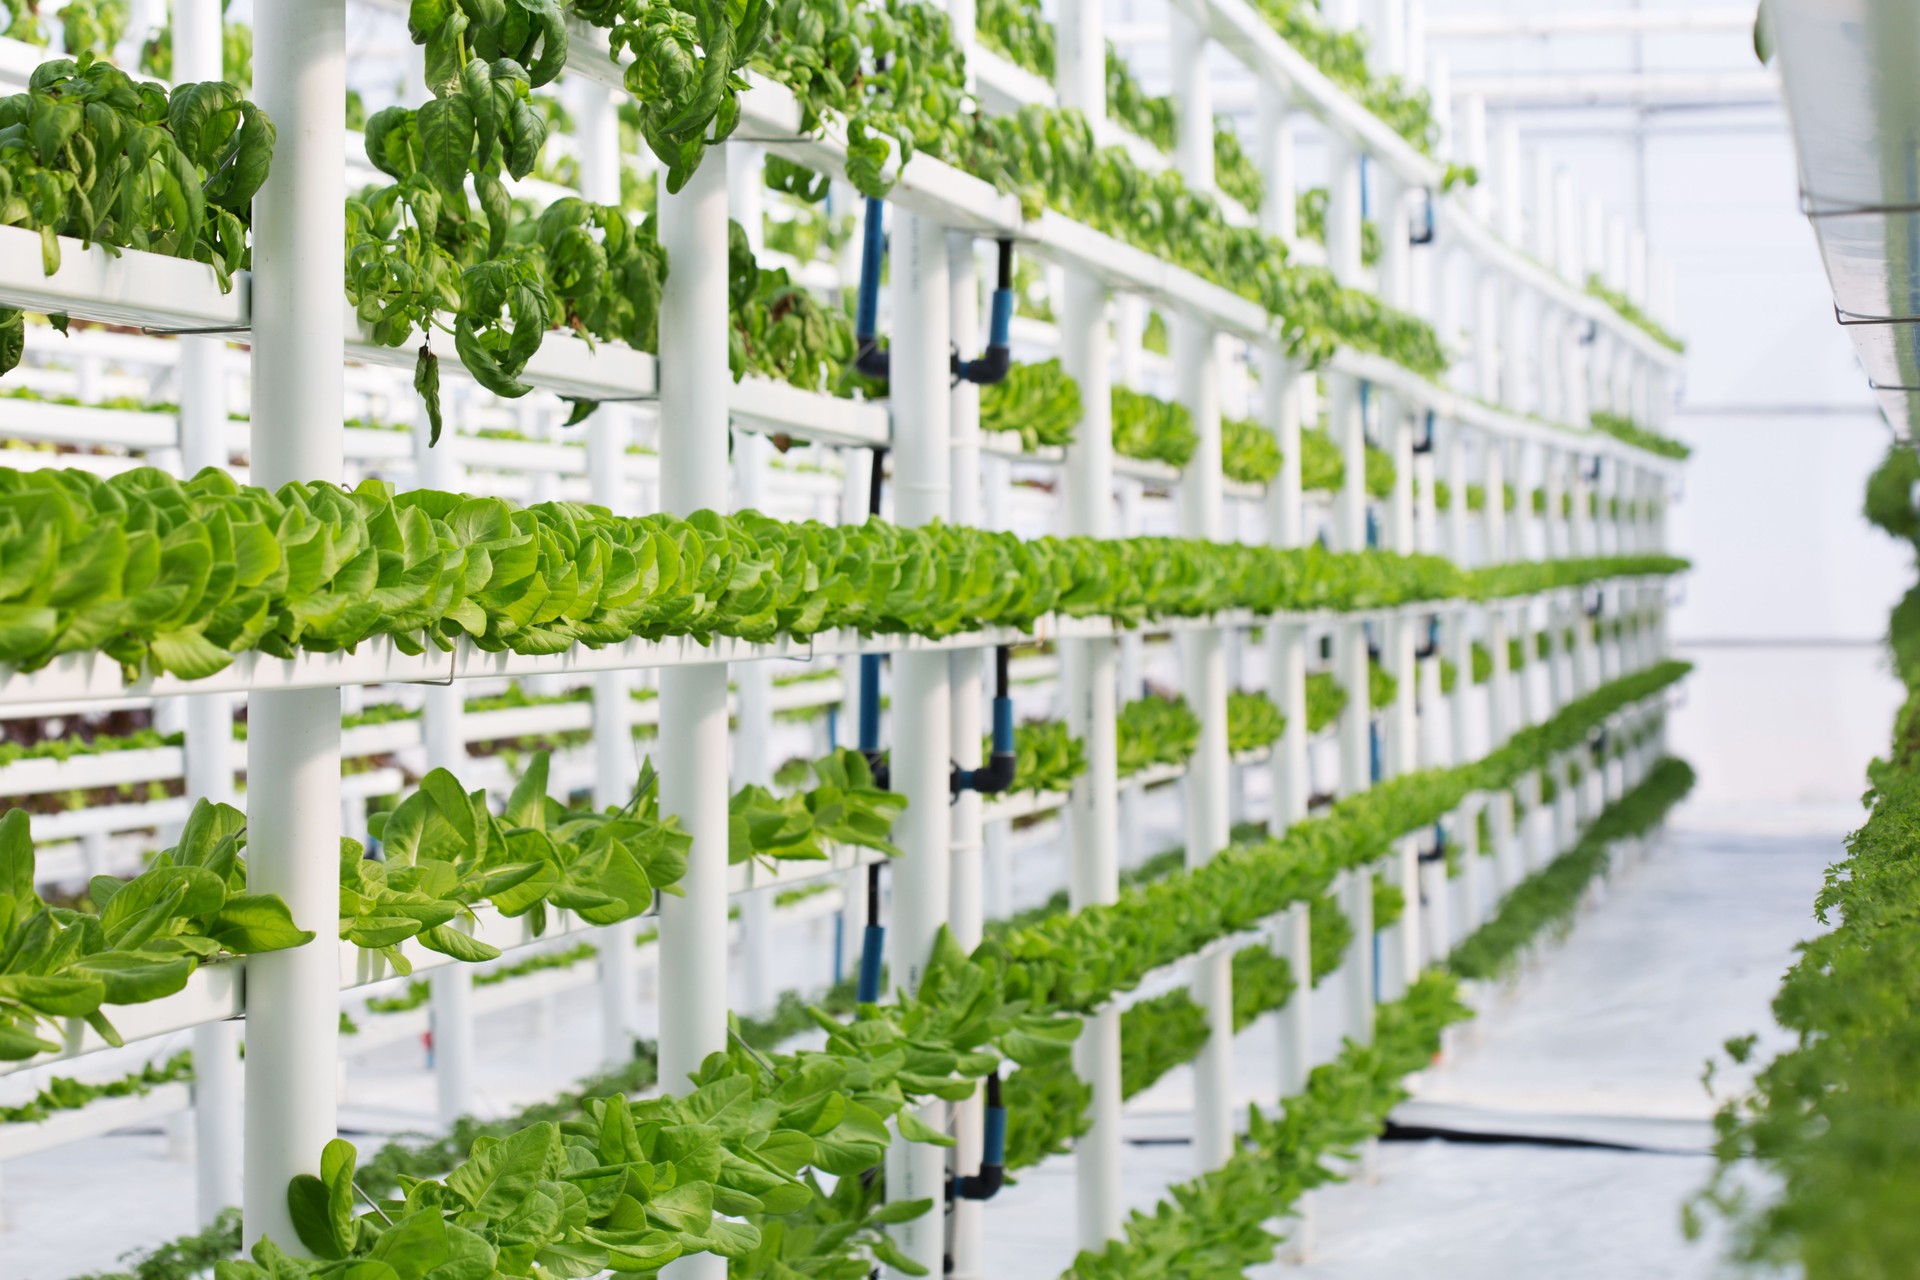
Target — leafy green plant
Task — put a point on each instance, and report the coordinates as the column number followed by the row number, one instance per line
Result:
column 143, row 937
column 1249, row 453
column 443, row 851
column 1548, row 899
column 1156, row 731
column 1046, row 756
column 1074, row 963
column 844, row 807
column 1149, row 116
column 1633, row 315
column 1827, row 1121
column 1621, row 427
column 1326, row 699
column 63, row 1093
column 1049, row 157
column 1038, row 401
column 1253, row 722
column 87, row 152
column 1342, row 57
column 93, row 26
column 716, row 1168
column 1152, row 430
column 176, row 576
column 1216, row 1225
column 780, row 329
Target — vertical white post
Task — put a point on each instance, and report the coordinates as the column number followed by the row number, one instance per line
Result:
column 693, row 700
column 1193, row 98
column 1357, row 902
column 1080, row 75
column 922, row 719
column 965, row 907
column 299, row 234
column 1494, row 469
column 1455, row 541
column 1275, row 139
column 1459, row 717
column 1092, row 710
column 1201, row 514
column 1488, row 336
column 1356, row 715
column 1286, row 527
column 1296, row 1022
column 451, row 985
column 1500, row 721
column 1515, row 392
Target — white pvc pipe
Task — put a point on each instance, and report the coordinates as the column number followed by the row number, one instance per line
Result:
column 1080, row 60
column 693, row 700
column 451, row 985
column 922, row 701
column 966, row 907
column 1193, row 97
column 1343, row 229
column 1350, row 666
column 1202, row 515
column 1516, row 393
column 1401, row 642
column 1090, row 680
column 1395, row 276
column 299, row 237
column 217, row 1127
column 1296, row 1018
column 1488, row 336
column 1358, row 905
column 1609, row 22
column 1274, row 137
column 1347, row 425
column 1287, row 658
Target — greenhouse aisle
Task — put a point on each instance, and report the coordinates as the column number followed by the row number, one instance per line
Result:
column 1604, row 1040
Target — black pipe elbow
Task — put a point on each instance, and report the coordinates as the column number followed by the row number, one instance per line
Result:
column 984, row 1185
column 872, row 361
column 877, row 766
column 989, row 367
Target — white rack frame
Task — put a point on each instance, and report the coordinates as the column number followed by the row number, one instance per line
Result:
column 297, row 433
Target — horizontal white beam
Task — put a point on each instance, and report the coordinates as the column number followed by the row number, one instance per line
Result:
column 1632, row 88
column 126, row 286
column 1598, row 22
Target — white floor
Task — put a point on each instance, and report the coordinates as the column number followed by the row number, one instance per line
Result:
column 1604, row 1039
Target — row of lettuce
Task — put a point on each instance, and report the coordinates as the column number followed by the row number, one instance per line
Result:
column 1831, row 1119
column 1344, row 1099
column 181, row 577
column 729, row 1166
